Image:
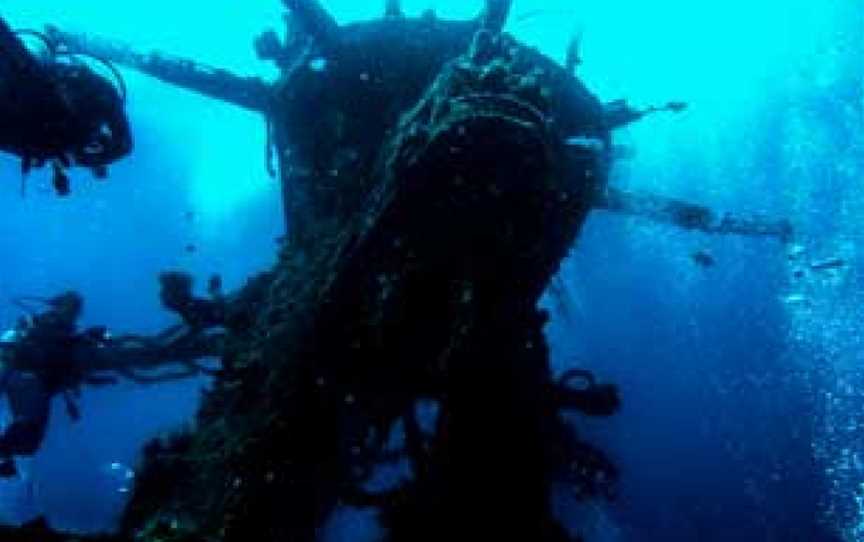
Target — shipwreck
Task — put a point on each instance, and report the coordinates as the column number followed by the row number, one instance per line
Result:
column 434, row 174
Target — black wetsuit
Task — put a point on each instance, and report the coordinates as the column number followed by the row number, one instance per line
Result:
column 52, row 110
column 30, row 404
column 47, row 360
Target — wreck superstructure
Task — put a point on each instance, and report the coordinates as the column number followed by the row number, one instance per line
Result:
column 435, row 173
column 333, row 77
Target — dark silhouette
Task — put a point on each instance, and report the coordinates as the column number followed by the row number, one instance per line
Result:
column 46, row 355
column 55, row 109
column 42, row 357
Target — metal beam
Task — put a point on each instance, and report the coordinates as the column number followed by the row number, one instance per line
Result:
column 393, row 8
column 495, row 14
column 313, row 19
column 574, row 56
column 691, row 216
column 247, row 92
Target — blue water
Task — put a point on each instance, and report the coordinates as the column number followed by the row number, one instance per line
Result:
column 742, row 385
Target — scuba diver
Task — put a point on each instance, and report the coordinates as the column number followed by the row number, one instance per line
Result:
column 46, row 355
column 55, row 110
column 43, row 356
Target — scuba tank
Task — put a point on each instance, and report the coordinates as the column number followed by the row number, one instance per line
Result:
column 56, row 109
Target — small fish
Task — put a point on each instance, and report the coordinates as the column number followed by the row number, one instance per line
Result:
column 828, row 263
column 100, row 172
column 703, row 258
column 191, row 248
